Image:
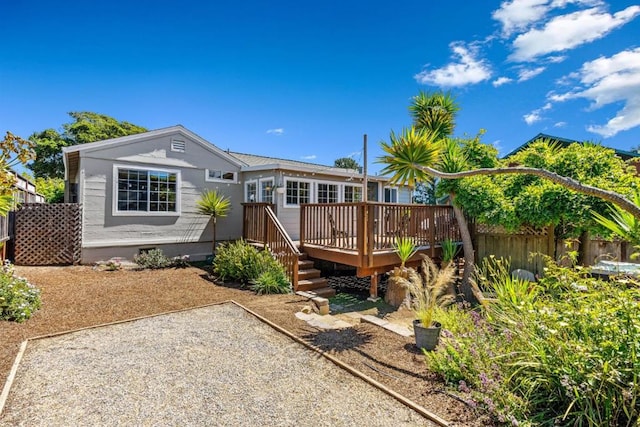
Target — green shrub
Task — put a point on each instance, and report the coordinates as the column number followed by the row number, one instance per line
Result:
column 272, row 281
column 18, row 298
column 239, row 261
column 152, row 259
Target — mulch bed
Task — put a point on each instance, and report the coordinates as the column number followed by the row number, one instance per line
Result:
column 79, row 296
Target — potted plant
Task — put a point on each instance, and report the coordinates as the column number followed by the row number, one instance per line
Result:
column 429, row 289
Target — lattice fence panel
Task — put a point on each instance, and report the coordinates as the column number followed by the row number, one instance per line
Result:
column 48, row 234
column 498, row 229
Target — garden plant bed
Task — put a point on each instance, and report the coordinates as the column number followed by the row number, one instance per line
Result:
column 77, row 297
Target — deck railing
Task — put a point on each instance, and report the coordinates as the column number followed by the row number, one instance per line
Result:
column 262, row 225
column 254, row 221
column 370, row 227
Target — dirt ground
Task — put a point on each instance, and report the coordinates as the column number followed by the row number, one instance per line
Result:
column 79, row 296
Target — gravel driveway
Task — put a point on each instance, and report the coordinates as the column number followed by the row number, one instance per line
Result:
column 217, row 365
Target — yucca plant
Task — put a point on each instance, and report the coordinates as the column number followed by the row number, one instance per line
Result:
column 405, row 249
column 449, row 250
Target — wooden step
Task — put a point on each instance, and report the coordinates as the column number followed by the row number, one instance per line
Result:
column 302, row 256
column 325, row 292
column 311, row 284
column 305, row 264
column 309, row 273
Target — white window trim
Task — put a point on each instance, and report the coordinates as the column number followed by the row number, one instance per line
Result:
column 246, row 190
column 311, row 191
column 227, row 181
column 272, row 180
column 338, row 190
column 390, row 188
column 343, row 189
column 114, row 193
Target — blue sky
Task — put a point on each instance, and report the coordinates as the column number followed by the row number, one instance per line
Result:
column 305, row 80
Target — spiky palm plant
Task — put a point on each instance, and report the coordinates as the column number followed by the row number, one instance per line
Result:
column 623, row 224
column 215, row 205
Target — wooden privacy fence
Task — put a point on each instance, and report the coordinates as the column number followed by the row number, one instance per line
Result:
column 514, row 245
column 48, row 234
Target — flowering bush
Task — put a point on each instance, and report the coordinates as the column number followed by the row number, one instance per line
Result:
column 569, row 356
column 18, row 298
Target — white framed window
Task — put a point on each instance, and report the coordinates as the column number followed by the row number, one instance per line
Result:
column 352, row 193
column 390, row 195
column 178, row 146
column 251, row 191
column 217, row 175
column 266, row 190
column 327, row 193
column 297, row 192
column 145, row 191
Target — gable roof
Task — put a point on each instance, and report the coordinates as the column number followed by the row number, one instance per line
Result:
column 564, row 142
column 172, row 130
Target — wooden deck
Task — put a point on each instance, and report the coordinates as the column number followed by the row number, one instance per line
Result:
column 361, row 235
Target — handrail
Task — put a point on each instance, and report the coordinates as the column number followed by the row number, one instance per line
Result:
column 253, row 221
column 277, row 240
column 368, row 227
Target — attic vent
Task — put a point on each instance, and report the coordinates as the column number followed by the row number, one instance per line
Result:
column 177, row 146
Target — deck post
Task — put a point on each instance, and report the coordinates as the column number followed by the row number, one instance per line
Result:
column 432, row 231
column 373, row 288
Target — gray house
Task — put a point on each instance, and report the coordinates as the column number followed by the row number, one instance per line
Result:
column 139, row 192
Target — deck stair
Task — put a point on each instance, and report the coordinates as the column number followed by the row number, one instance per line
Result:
column 310, row 280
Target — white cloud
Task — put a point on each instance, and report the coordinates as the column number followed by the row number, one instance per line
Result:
column 277, row 131
column 465, row 69
column 527, row 74
column 519, row 15
column 501, row 81
column 610, row 80
column 556, row 59
column 569, row 31
column 310, row 157
column 532, row 117
column 560, row 125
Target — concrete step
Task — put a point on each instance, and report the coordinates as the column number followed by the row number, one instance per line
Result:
column 310, row 273
column 305, row 264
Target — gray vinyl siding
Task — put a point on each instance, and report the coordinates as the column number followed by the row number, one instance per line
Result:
column 103, row 229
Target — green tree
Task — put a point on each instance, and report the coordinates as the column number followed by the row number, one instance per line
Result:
column 346, row 163
column 85, row 127
column 51, row 188
column 434, row 118
column 215, row 205
column 425, row 193
column 13, row 150
column 422, row 152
